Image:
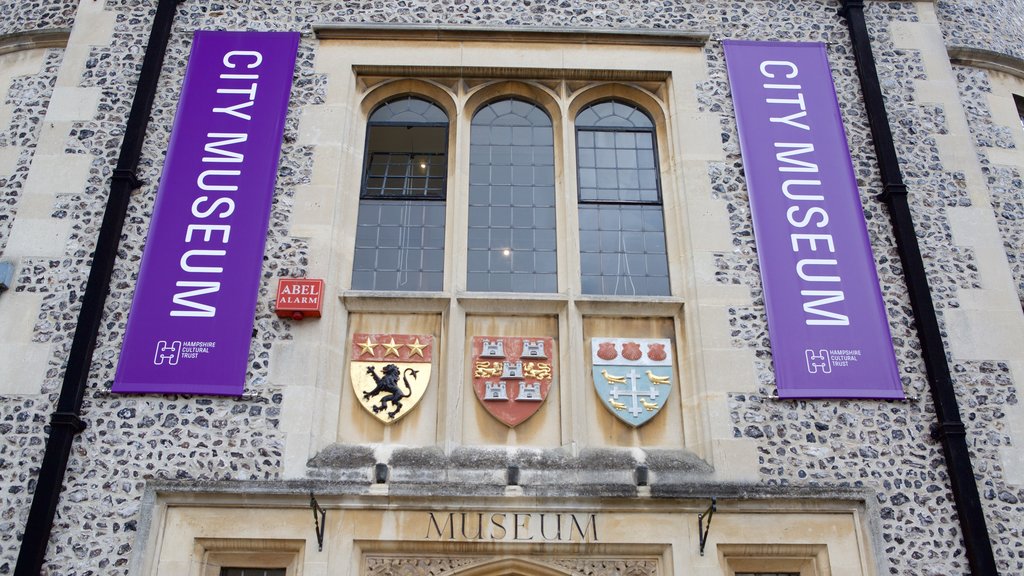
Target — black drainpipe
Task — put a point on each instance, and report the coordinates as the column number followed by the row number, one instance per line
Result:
column 949, row 430
column 65, row 423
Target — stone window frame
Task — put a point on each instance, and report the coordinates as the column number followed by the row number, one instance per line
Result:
column 550, row 95
column 215, row 554
column 456, row 301
column 250, row 571
column 775, row 559
column 365, row 60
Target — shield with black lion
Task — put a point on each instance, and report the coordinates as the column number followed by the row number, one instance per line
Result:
column 390, row 372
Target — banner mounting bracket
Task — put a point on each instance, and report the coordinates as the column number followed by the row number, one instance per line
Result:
column 319, row 521
column 702, row 530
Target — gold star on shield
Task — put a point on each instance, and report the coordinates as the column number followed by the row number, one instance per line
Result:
column 367, row 347
column 416, row 349
column 391, row 347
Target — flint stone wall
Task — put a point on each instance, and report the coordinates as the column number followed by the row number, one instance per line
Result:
column 994, row 25
column 880, row 446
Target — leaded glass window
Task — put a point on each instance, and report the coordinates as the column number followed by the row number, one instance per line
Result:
column 622, row 225
column 512, row 239
column 400, row 226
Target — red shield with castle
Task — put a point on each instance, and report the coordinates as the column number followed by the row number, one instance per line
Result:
column 512, row 375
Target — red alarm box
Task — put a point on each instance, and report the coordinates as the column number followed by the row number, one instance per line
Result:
column 300, row 298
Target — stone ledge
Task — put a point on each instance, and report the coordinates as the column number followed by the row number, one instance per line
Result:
column 989, row 59
column 270, row 493
column 556, row 35
column 34, row 39
column 483, row 471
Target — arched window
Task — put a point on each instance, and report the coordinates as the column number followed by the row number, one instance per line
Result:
column 622, row 227
column 512, row 239
column 400, row 228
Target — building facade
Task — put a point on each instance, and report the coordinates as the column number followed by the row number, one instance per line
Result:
column 552, row 176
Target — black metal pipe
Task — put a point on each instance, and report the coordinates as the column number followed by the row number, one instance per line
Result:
column 66, row 423
column 949, row 429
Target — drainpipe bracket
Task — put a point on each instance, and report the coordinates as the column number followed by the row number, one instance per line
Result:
column 943, row 430
column 848, row 4
column 892, row 189
column 69, row 420
column 128, row 176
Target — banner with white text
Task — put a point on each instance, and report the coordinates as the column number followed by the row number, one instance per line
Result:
column 191, row 320
column 826, row 318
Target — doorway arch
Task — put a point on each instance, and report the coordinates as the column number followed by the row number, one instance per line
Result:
column 512, row 566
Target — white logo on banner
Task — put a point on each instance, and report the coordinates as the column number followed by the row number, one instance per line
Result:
column 818, row 361
column 167, row 352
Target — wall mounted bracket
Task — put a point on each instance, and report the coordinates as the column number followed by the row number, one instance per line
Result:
column 319, row 521
column 702, row 531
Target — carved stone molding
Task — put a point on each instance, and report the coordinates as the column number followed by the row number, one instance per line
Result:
column 445, row 565
column 608, row 566
column 419, row 566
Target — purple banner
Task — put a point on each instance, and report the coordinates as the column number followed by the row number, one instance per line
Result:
column 826, row 319
column 191, row 320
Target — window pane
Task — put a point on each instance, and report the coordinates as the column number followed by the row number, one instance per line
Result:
column 622, row 237
column 626, row 158
column 604, row 139
column 545, row 240
column 512, row 199
column 545, row 283
column 626, row 256
column 588, row 178
column 521, row 155
column 545, row 263
column 625, row 172
column 400, row 225
column 395, row 241
column 406, row 161
column 409, row 110
column 613, row 113
column 502, row 282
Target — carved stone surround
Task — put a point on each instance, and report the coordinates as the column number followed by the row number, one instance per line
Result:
column 377, row 565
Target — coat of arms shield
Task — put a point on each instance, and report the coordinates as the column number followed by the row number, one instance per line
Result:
column 633, row 376
column 512, row 375
column 390, row 372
